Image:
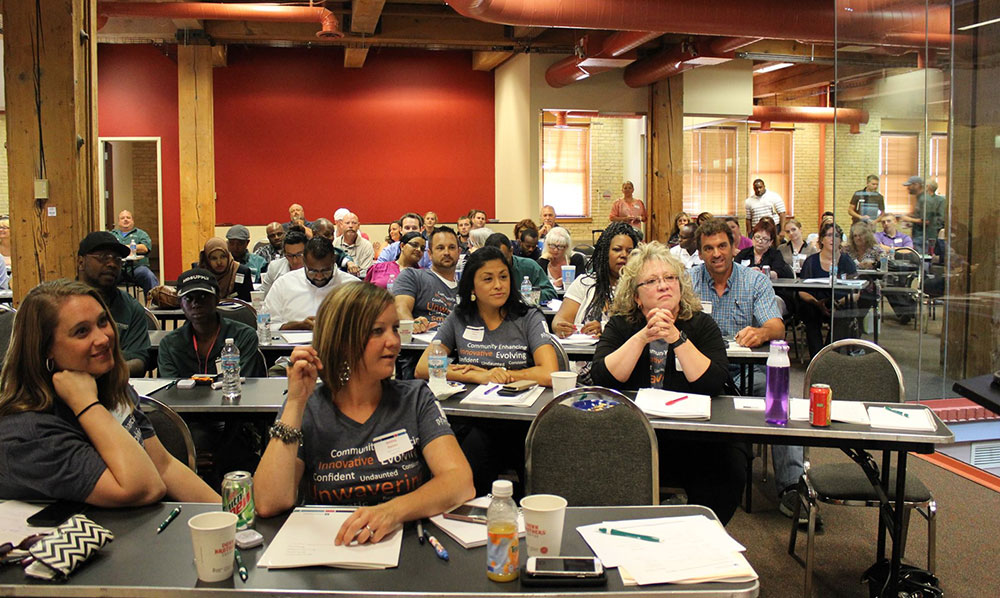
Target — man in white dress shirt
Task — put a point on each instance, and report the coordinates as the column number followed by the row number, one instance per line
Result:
column 294, row 298
column 687, row 250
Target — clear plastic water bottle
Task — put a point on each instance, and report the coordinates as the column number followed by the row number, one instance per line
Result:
column 502, row 558
column 776, row 401
column 263, row 328
column 459, row 267
column 131, row 246
column 526, row 289
column 437, row 366
column 230, row 370
column 391, row 283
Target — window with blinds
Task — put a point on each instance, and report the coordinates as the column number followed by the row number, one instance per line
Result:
column 898, row 160
column 710, row 179
column 771, row 161
column 938, row 167
column 566, row 169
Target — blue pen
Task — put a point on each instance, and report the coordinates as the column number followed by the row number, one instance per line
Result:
column 492, row 389
column 441, row 552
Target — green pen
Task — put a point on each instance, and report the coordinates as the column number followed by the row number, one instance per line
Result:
column 173, row 515
column 239, row 563
column 897, row 412
column 617, row 532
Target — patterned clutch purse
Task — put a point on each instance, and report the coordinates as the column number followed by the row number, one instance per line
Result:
column 71, row 544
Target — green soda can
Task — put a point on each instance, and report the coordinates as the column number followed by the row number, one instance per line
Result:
column 237, row 497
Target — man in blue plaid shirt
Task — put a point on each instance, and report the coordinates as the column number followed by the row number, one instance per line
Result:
column 743, row 305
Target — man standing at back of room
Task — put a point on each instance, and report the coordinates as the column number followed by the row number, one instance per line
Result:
column 867, row 204
column 126, row 232
column 351, row 242
column 763, row 203
column 238, row 240
column 427, row 296
column 742, row 303
column 410, row 222
column 98, row 264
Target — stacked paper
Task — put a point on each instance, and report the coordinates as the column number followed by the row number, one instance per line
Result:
column 848, row 412
column 467, row 533
column 306, row 540
column 487, row 394
column 578, row 338
column 425, row 337
column 675, row 405
column 902, row 418
column 692, row 549
column 734, row 348
column 298, row 337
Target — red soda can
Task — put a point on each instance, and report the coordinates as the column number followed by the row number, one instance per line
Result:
column 820, row 397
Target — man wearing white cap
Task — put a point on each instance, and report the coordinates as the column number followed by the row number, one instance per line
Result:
column 338, row 221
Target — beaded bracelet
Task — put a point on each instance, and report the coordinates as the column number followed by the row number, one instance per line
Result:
column 285, row 433
column 84, row 410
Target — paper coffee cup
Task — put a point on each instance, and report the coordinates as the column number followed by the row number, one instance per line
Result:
column 213, row 537
column 568, row 275
column 405, row 331
column 543, row 523
column 563, row 381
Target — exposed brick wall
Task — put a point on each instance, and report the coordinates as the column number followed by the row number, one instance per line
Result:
column 606, row 177
column 144, row 194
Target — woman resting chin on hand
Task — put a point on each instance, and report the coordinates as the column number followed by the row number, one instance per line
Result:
column 70, row 427
column 332, row 427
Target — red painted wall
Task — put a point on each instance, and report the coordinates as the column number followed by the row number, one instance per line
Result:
column 411, row 131
column 137, row 97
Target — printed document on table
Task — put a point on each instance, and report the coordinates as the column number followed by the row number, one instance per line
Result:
column 748, row 404
column 692, row 549
column 147, row 386
column 13, row 524
column 848, row 412
column 578, row 338
column 425, row 337
column 902, row 418
column 655, row 402
column 303, row 337
column 735, row 348
column 488, row 394
column 306, row 540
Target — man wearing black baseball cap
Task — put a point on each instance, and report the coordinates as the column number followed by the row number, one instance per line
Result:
column 99, row 264
column 194, row 347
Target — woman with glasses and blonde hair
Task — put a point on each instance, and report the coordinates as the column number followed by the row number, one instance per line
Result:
column 70, row 427
column 336, row 427
column 557, row 253
column 658, row 337
column 411, row 249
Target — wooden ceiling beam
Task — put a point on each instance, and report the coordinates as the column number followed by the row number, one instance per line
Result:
column 188, row 23
column 487, row 61
column 364, row 16
column 525, row 33
column 354, row 57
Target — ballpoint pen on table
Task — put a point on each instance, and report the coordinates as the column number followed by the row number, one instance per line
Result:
column 420, row 531
column 617, row 532
column 173, row 515
column 240, row 566
column 441, row 552
column 491, row 389
column 897, row 411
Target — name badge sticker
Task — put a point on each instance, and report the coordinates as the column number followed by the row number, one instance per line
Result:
column 391, row 445
column 677, row 365
column 239, row 278
column 474, row 334
column 706, row 306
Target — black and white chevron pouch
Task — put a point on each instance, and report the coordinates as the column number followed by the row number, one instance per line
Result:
column 72, row 543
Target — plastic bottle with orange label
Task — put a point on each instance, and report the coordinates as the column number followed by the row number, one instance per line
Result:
column 502, row 550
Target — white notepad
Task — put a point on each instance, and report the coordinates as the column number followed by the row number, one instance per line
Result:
column 488, row 394
column 306, row 540
column 298, row 337
column 675, row 405
column 902, row 418
column 467, row 533
column 578, row 338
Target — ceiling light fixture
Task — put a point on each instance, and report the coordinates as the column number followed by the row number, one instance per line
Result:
column 980, row 24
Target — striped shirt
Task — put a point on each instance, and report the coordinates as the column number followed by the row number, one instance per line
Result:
column 769, row 204
column 748, row 299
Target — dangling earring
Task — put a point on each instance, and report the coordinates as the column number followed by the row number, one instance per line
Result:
column 50, row 365
column 473, row 297
column 345, row 374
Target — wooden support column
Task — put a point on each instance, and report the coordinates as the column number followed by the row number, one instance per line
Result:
column 52, row 137
column 666, row 156
column 196, row 133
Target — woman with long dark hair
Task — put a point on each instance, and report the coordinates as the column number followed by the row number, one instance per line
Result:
column 70, row 427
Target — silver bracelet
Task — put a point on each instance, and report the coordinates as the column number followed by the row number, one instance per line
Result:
column 285, row 433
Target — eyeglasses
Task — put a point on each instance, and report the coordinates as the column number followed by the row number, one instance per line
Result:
column 7, row 548
column 106, row 257
column 324, row 271
column 658, row 280
column 560, row 247
column 295, row 255
column 762, row 238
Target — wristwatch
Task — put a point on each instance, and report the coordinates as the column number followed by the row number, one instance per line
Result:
column 683, row 338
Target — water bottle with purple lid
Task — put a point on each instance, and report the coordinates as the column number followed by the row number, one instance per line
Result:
column 776, row 401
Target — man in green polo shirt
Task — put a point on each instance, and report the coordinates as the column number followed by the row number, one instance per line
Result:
column 194, row 347
column 99, row 264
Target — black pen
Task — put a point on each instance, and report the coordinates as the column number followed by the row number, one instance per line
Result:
column 420, row 531
column 239, row 563
column 173, row 515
